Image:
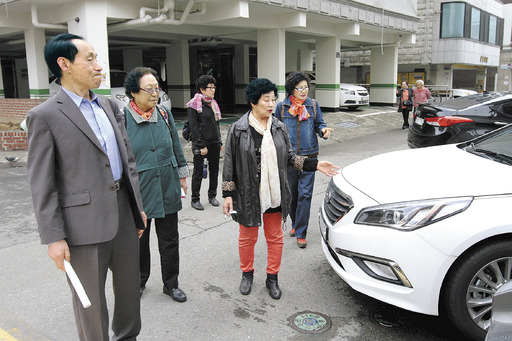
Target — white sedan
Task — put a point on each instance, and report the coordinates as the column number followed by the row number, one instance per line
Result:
column 427, row 230
column 353, row 96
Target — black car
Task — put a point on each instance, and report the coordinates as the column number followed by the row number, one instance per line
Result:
column 459, row 119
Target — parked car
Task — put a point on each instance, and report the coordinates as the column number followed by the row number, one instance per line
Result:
column 501, row 321
column 462, row 92
column 459, row 119
column 353, row 96
column 116, row 89
column 427, row 230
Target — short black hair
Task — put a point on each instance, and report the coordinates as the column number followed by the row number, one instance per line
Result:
column 295, row 78
column 258, row 87
column 60, row 46
column 132, row 80
column 203, row 81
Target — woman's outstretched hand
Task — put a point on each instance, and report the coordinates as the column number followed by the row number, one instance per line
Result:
column 327, row 168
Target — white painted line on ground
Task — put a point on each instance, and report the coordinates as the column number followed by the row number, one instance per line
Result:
column 373, row 113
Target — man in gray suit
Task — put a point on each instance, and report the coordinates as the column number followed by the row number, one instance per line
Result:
column 85, row 190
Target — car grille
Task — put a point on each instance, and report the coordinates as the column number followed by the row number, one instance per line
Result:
column 336, row 203
column 362, row 93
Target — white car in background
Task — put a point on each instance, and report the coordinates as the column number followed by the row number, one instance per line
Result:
column 353, row 96
column 462, row 92
column 116, row 90
column 430, row 231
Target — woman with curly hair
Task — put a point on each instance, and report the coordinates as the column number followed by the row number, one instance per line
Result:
column 255, row 187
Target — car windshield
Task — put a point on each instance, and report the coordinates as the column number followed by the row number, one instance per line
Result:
column 471, row 100
column 496, row 146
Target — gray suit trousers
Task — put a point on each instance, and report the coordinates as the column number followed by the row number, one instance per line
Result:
column 91, row 263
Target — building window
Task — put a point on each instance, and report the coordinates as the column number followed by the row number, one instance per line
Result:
column 475, row 24
column 452, row 22
column 462, row 20
column 493, row 29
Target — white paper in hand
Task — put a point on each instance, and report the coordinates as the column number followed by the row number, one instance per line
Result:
column 79, row 289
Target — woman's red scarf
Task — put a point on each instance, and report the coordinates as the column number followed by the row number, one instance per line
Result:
column 298, row 108
column 144, row 114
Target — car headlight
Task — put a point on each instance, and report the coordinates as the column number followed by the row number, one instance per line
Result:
column 408, row 216
column 347, row 91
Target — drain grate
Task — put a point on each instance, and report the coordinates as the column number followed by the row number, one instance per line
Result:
column 389, row 319
column 348, row 125
column 310, row 322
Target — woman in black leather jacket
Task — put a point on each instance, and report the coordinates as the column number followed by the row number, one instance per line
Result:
column 257, row 154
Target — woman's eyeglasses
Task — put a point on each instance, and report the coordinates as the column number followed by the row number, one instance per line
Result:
column 211, row 87
column 151, row 91
column 302, row 89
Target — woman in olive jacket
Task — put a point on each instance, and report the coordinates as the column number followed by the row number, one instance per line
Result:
column 257, row 154
column 162, row 172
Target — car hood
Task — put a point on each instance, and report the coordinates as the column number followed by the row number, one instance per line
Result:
column 351, row 86
column 433, row 172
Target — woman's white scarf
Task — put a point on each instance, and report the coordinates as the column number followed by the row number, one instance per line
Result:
column 270, row 186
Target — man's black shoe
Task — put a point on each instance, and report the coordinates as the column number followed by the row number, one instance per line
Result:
column 213, row 201
column 141, row 289
column 197, row 205
column 176, row 294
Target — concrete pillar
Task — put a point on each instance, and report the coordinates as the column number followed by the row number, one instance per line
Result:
column 178, row 73
column 383, row 75
column 132, row 58
column 241, row 72
column 36, row 65
column 306, row 59
column 292, row 59
column 327, row 91
column 2, row 92
column 92, row 26
column 271, row 57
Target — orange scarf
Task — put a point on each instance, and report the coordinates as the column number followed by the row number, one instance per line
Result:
column 145, row 115
column 298, row 108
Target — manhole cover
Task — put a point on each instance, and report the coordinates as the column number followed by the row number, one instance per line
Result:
column 310, row 322
column 348, row 125
column 389, row 319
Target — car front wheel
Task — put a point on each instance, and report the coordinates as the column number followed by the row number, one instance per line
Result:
column 472, row 283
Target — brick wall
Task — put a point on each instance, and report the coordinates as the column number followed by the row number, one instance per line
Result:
column 13, row 111
column 13, row 140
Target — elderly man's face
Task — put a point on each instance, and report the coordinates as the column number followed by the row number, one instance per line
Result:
column 85, row 71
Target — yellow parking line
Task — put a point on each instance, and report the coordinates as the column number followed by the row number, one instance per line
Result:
column 4, row 336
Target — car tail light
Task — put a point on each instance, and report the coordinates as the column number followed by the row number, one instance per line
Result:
column 446, row 121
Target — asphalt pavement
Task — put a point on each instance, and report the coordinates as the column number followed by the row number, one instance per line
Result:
column 35, row 299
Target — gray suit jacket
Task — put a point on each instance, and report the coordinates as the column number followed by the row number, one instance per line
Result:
column 69, row 173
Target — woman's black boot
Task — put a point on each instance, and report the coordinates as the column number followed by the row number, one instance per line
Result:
column 246, row 284
column 273, row 287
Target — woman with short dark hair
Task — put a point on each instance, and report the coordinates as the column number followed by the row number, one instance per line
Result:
column 255, row 187
column 163, row 173
column 303, row 118
column 404, row 100
column 203, row 117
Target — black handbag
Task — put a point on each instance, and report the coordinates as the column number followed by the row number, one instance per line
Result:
column 407, row 102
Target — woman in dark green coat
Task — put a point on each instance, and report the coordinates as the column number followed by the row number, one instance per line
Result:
column 162, row 172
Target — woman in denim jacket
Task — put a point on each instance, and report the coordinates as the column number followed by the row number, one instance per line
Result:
column 303, row 118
